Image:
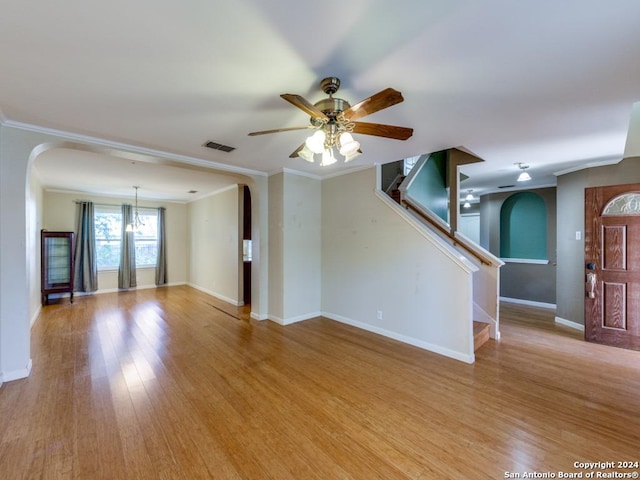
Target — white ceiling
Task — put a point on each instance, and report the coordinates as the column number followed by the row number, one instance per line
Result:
column 83, row 171
column 546, row 83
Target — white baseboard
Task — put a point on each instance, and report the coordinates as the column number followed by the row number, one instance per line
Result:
column 16, row 374
column 236, row 303
column 466, row 358
column 570, row 324
column 34, row 318
column 290, row 320
column 530, row 303
column 259, row 317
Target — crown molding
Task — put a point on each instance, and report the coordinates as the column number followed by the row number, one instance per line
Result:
column 348, row 171
column 235, row 186
column 596, row 163
column 113, row 195
column 132, row 148
column 337, row 173
column 291, row 171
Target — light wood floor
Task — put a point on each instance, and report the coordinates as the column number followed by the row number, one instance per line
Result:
column 173, row 384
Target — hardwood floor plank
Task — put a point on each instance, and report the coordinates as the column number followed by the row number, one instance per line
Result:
column 172, row 383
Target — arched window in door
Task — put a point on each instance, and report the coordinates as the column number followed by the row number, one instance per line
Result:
column 523, row 227
column 625, row 204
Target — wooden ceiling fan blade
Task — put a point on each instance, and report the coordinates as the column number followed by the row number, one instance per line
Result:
column 305, row 106
column 380, row 130
column 276, row 130
column 374, row 103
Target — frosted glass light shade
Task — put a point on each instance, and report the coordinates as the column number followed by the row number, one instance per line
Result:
column 348, row 146
column 316, row 142
column 327, row 158
column 524, row 176
column 306, row 154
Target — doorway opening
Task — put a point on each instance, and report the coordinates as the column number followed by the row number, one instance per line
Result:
column 246, row 246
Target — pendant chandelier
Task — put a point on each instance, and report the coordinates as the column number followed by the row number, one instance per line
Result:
column 137, row 222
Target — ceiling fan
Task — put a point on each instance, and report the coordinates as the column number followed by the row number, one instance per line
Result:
column 334, row 120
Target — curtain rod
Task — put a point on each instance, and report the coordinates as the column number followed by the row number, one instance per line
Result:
column 113, row 205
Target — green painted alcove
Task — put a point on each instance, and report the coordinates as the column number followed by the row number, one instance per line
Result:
column 523, row 227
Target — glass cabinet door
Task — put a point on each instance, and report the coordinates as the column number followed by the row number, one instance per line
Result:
column 57, row 264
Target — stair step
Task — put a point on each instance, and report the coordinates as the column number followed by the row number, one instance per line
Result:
column 480, row 334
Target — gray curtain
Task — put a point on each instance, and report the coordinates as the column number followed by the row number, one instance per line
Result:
column 161, row 262
column 127, row 267
column 85, row 270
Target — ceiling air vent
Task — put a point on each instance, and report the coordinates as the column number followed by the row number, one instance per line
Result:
column 506, row 186
column 219, row 146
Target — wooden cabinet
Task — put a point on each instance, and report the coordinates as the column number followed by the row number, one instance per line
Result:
column 57, row 263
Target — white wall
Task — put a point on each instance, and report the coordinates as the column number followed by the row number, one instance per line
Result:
column 303, row 246
column 215, row 245
column 34, row 225
column 295, row 248
column 632, row 146
column 59, row 214
column 374, row 261
column 276, row 247
column 16, row 153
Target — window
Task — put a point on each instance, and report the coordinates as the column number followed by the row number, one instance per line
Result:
column 625, row 204
column 409, row 163
column 146, row 238
column 108, row 226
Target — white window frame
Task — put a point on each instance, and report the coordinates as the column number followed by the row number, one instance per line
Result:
column 112, row 237
column 148, row 235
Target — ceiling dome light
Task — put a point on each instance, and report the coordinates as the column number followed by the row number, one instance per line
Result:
column 469, row 197
column 524, row 176
column 316, row 141
column 466, row 205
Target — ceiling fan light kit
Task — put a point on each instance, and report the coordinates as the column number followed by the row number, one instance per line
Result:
column 334, row 121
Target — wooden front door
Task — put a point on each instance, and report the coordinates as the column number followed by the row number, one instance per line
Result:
column 612, row 265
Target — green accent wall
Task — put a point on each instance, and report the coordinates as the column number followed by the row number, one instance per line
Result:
column 429, row 187
column 523, row 227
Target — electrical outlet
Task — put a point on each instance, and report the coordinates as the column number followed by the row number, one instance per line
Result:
column 379, row 315
column 578, row 235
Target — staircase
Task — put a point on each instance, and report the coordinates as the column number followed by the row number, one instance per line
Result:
column 394, row 191
column 434, row 180
column 480, row 334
